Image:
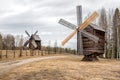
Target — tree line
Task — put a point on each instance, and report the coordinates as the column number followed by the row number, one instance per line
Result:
column 110, row 21
column 11, row 42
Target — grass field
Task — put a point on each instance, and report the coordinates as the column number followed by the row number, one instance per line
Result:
column 68, row 68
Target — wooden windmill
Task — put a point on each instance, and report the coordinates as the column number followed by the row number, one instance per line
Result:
column 86, row 36
column 34, row 41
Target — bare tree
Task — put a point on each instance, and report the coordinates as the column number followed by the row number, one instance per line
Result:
column 1, row 45
column 21, row 45
column 49, row 47
column 103, row 19
column 109, row 34
column 104, row 24
column 55, row 46
column 17, row 39
column 116, row 33
column 8, row 43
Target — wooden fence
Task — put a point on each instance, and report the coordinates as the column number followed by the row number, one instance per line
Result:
column 10, row 54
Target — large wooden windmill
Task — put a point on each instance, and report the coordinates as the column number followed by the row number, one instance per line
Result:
column 34, row 41
column 90, row 38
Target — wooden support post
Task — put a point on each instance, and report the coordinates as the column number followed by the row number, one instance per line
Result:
column 6, row 53
column 0, row 54
column 79, row 37
column 13, row 53
column 31, row 52
column 42, row 52
column 20, row 55
column 92, row 57
column 38, row 52
column 26, row 52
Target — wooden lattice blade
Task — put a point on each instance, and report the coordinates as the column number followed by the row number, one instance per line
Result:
column 88, row 21
column 27, row 33
column 26, row 43
column 35, row 33
column 69, row 37
column 81, row 27
column 67, row 24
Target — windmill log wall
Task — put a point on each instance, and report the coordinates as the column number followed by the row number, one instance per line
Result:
column 91, row 49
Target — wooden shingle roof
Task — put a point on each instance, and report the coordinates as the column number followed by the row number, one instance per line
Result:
column 97, row 27
column 37, row 38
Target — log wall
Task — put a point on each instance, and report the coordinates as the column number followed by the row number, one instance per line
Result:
column 89, row 46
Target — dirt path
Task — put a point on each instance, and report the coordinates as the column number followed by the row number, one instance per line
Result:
column 7, row 66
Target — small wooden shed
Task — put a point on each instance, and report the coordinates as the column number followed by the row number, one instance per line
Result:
column 92, row 49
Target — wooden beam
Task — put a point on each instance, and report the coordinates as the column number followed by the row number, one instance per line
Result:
column 69, row 37
column 90, row 36
column 79, row 35
column 67, row 24
column 88, row 21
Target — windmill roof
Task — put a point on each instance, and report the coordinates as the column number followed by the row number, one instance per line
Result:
column 97, row 27
column 36, row 37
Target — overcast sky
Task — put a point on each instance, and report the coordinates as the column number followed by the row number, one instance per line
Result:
column 16, row 16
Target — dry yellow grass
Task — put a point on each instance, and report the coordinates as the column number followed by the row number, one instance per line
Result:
column 68, row 68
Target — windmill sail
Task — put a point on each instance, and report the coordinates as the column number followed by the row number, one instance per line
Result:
column 90, row 36
column 35, row 33
column 67, row 24
column 27, row 33
column 26, row 43
column 81, row 27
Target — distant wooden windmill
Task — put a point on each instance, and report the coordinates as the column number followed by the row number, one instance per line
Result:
column 86, row 38
column 34, row 41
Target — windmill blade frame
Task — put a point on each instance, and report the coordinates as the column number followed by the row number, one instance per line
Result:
column 27, row 33
column 67, row 24
column 81, row 27
column 69, row 37
column 90, row 36
column 35, row 33
column 84, row 33
column 26, row 43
